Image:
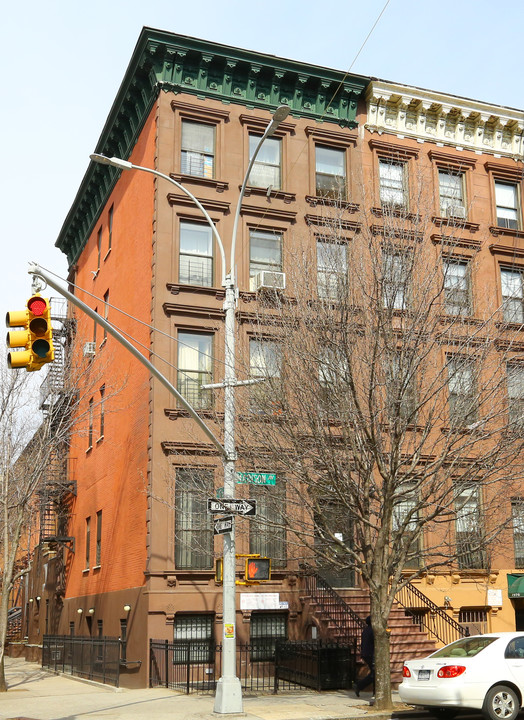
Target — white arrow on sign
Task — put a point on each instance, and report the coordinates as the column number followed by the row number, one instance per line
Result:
column 223, row 525
column 242, row 507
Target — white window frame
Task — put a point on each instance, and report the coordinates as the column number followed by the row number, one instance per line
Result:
column 512, row 288
column 332, row 268
column 451, row 190
column 197, row 159
column 457, row 286
column 393, row 183
column 508, row 209
column 195, row 368
column 195, row 260
column 266, row 171
column 328, row 182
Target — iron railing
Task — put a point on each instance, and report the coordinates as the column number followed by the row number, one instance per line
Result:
column 86, row 657
column 316, row 664
column 428, row 616
column 347, row 623
column 186, row 666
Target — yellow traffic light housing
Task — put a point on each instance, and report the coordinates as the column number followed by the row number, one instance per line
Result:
column 35, row 335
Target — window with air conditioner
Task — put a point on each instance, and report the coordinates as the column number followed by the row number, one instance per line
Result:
column 265, row 256
column 507, row 200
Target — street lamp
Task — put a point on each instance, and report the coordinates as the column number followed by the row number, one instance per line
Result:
column 228, row 697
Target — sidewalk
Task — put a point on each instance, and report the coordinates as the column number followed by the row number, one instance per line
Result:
column 34, row 694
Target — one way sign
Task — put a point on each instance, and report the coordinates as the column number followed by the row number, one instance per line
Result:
column 223, row 525
column 240, row 507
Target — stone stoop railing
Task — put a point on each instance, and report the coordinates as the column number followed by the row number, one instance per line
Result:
column 340, row 614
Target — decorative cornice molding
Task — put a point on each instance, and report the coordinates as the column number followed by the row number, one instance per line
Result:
column 331, row 222
column 165, row 62
column 507, row 251
column 185, row 201
column 444, row 119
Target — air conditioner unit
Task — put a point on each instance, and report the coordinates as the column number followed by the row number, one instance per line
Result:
column 456, row 211
column 268, row 280
column 89, row 349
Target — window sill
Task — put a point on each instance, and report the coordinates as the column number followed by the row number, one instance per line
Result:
column 498, row 230
column 108, row 253
column 463, row 224
column 100, row 439
column 97, row 567
column 102, row 343
column 277, row 194
column 89, row 449
column 85, row 571
column 314, row 200
column 218, row 185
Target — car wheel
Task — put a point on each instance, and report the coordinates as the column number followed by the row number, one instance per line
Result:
column 501, row 703
column 442, row 713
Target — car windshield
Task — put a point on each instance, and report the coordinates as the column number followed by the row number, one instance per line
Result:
column 467, row 647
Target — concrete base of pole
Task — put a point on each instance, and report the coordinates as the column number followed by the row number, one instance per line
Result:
column 228, row 696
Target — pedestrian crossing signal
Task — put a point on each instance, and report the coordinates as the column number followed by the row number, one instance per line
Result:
column 258, row 569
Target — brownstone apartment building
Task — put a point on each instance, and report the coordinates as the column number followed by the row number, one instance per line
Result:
column 143, row 564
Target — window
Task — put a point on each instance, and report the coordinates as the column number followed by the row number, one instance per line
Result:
column 330, row 172
column 474, row 619
column 195, row 368
column 396, row 279
column 333, row 535
column 88, row 541
column 98, row 248
column 265, row 362
column 265, row 252
column 196, row 254
column 198, row 149
column 401, row 387
column 515, row 382
column 102, row 410
column 393, row 191
column 195, row 631
column 462, row 395
column 110, row 216
column 193, row 524
column 98, row 557
column 517, row 512
column 267, row 533
column 106, row 312
column 506, row 198
column 468, row 523
column 457, row 287
column 90, row 422
column 451, row 190
column 331, row 269
column 265, row 629
column 266, row 171
column 404, row 520
column 512, row 296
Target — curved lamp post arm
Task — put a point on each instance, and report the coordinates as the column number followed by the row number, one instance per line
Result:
column 126, row 165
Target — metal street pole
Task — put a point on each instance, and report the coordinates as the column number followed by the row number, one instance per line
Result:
column 228, row 696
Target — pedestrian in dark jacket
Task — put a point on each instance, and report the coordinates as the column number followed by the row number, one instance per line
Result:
column 367, row 652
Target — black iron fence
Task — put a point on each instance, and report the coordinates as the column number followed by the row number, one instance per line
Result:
column 263, row 666
column 86, row 657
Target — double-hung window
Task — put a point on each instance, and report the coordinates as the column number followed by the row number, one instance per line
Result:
column 515, row 383
column 266, row 170
column 265, row 362
column 193, row 524
column 195, row 368
column 457, row 287
column 331, row 269
column 404, row 520
column 198, row 149
column 267, row 533
column 401, row 387
column 462, row 396
column 512, row 295
column 517, row 512
column 507, row 200
column 396, row 273
column 451, row 190
column 468, row 527
column 196, row 254
column 265, row 253
column 330, row 172
column 392, row 181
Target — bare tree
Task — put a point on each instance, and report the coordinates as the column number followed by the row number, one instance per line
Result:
column 31, row 445
column 385, row 403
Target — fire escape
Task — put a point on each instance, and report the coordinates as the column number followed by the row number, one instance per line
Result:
column 58, row 487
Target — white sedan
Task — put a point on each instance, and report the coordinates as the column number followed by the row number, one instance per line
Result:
column 482, row 672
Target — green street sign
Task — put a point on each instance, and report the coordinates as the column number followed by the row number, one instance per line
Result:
column 220, row 492
column 252, row 478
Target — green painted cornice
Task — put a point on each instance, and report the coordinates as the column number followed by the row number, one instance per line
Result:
column 176, row 63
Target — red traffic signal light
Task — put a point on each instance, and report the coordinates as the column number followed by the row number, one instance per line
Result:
column 258, row 569
column 34, row 340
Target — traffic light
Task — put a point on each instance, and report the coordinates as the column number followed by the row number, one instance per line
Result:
column 258, row 569
column 35, row 335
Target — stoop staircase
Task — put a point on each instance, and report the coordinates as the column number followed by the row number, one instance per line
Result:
column 417, row 625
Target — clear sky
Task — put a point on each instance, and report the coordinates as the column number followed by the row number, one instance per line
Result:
column 63, row 61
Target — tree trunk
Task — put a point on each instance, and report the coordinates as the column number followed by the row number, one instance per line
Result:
column 382, row 661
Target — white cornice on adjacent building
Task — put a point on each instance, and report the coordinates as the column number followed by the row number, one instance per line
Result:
column 445, row 120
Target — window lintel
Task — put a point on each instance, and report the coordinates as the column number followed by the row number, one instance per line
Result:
column 393, row 151
column 198, row 113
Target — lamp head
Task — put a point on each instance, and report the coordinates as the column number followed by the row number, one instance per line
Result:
column 113, row 161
